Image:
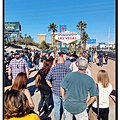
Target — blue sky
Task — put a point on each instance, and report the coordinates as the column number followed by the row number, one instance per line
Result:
column 35, row 16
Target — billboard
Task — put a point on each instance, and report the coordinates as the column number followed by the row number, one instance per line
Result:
column 91, row 41
column 67, row 37
column 12, row 27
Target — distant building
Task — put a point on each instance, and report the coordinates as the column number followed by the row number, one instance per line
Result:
column 103, row 46
column 88, row 46
column 41, row 37
column 112, row 44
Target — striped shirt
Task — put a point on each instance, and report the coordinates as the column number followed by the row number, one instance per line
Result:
column 17, row 66
column 57, row 74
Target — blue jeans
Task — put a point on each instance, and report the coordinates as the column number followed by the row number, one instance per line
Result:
column 100, row 61
column 57, row 105
column 45, row 98
column 106, row 61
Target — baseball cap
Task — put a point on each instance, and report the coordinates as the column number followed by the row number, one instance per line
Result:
column 78, row 59
column 16, row 53
column 82, row 64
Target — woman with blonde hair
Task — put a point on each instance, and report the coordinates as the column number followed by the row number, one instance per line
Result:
column 20, row 83
column 16, row 106
column 104, row 88
column 95, row 57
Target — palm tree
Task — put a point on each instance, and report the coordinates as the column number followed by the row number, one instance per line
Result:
column 81, row 26
column 20, row 38
column 70, row 46
column 85, row 38
column 52, row 27
column 25, row 39
column 74, row 44
column 29, row 39
column 25, row 35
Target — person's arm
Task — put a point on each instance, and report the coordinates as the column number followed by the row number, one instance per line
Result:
column 63, row 86
column 49, row 83
column 9, row 73
column 93, row 92
column 48, row 78
column 62, row 91
column 27, row 93
column 27, row 72
column 26, row 69
column 91, row 100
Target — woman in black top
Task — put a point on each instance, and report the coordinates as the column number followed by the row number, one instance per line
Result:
column 45, row 90
column 100, row 57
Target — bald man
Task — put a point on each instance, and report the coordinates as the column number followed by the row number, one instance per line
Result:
column 56, row 75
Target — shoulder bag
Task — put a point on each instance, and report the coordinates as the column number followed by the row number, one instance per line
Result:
column 38, row 78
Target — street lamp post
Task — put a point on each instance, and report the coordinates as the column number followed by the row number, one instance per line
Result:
column 108, row 37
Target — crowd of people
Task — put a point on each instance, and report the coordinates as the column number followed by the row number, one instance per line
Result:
column 64, row 78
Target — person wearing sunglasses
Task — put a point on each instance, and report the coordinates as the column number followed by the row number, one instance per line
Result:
column 16, row 66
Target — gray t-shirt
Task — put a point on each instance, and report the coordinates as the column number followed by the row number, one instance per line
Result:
column 77, row 85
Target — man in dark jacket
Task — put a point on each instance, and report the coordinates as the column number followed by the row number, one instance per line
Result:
column 36, row 59
column 100, row 57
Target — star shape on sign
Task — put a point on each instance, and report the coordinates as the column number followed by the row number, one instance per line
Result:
column 63, row 28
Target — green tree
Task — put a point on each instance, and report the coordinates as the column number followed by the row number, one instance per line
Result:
column 13, row 39
column 74, row 44
column 25, row 35
column 28, row 39
column 20, row 38
column 85, row 38
column 53, row 27
column 70, row 47
column 81, row 26
column 24, row 39
column 45, row 45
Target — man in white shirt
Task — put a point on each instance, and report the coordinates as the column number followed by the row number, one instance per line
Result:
column 74, row 66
